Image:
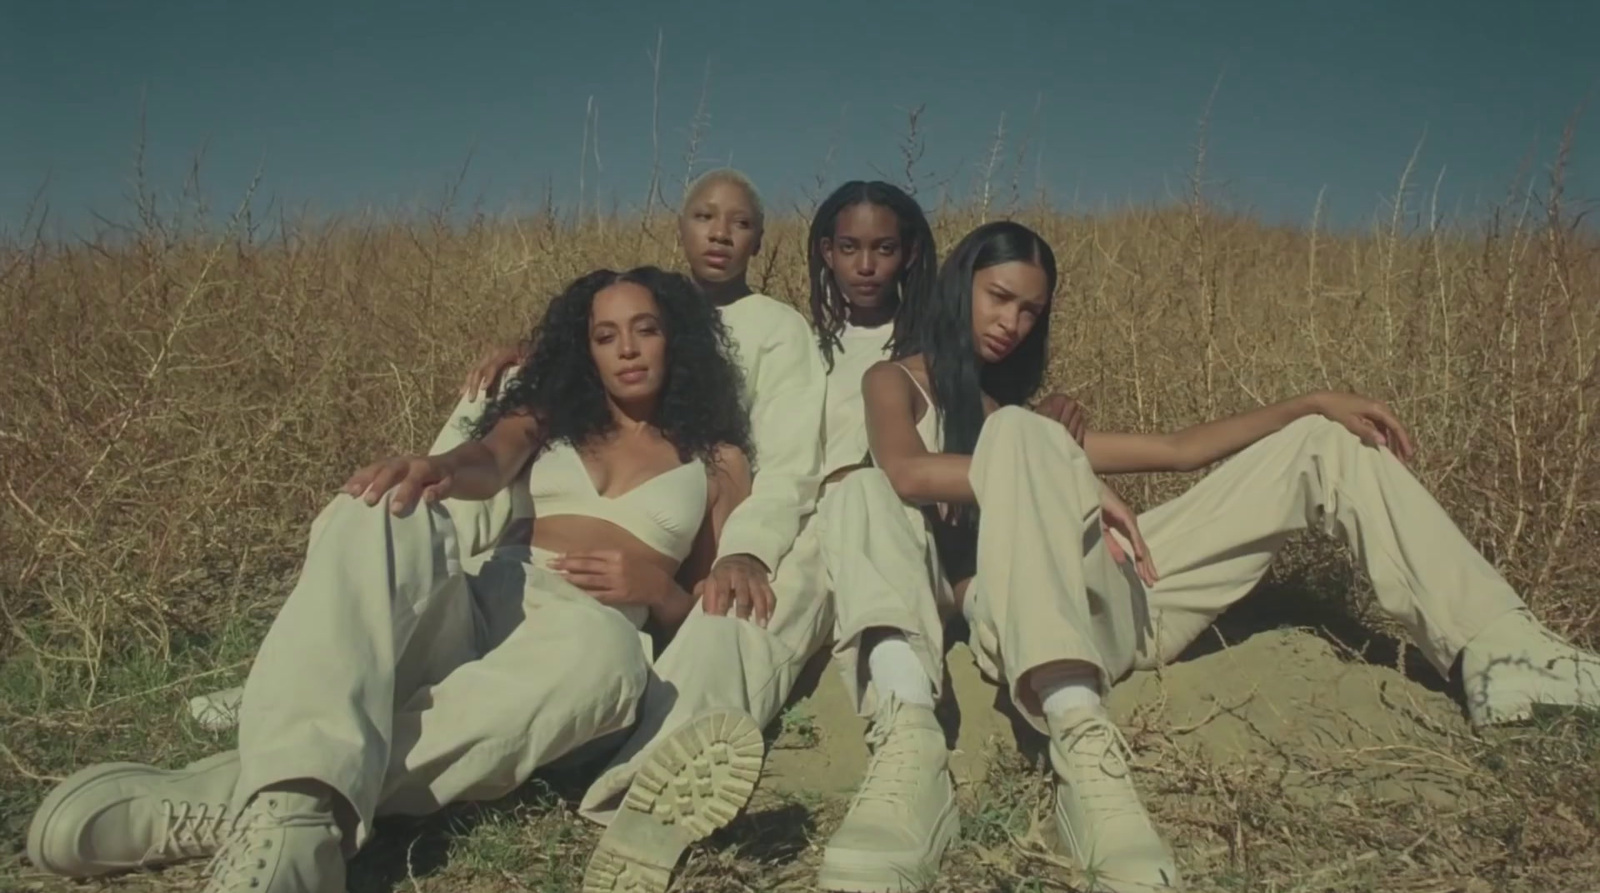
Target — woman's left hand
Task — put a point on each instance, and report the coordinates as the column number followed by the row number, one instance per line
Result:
column 1367, row 419
column 1116, row 515
column 613, row 579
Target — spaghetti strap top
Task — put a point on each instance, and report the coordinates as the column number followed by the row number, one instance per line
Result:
column 928, row 427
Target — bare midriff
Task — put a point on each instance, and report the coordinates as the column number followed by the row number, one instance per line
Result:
column 564, row 534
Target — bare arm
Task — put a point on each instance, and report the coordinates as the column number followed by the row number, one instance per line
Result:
column 480, row 469
column 918, row 476
column 729, row 483
column 1197, row 446
column 474, row 470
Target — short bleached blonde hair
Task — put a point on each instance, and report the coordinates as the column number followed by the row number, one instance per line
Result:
column 731, row 176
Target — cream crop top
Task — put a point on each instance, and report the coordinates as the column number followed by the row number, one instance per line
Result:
column 665, row 512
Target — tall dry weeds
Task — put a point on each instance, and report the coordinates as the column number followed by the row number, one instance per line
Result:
column 181, row 400
column 180, row 403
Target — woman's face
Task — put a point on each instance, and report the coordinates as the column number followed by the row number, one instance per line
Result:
column 628, row 343
column 719, row 232
column 1008, row 300
column 865, row 254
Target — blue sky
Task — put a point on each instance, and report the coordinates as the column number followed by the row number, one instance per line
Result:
column 348, row 105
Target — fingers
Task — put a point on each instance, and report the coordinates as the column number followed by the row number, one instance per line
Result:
column 1142, row 560
column 713, row 596
column 404, row 498
column 439, row 489
column 580, row 563
column 383, row 479
column 358, row 482
column 1073, row 418
column 1113, row 545
column 473, row 383
column 1400, row 439
column 589, row 581
column 740, row 596
column 765, row 602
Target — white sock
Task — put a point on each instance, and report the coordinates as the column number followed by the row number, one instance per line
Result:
column 894, row 669
column 1064, row 687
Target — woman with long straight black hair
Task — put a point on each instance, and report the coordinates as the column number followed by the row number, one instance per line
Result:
column 1005, row 520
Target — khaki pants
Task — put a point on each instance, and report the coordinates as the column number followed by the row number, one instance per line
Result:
column 727, row 663
column 1046, row 589
column 405, row 683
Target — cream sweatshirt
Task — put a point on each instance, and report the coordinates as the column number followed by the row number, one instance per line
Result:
column 785, row 390
column 845, row 422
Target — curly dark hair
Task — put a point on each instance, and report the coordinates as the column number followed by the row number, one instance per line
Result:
column 702, row 400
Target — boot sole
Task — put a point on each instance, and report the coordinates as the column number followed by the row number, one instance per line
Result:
column 66, row 795
column 695, row 781
column 1521, row 710
column 856, row 871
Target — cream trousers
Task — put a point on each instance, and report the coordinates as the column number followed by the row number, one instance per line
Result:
column 1046, row 589
column 405, row 683
column 723, row 662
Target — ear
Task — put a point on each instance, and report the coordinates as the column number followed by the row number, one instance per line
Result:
column 755, row 247
column 825, row 248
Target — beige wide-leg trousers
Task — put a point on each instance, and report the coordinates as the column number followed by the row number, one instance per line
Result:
column 723, row 662
column 1047, row 590
column 405, row 683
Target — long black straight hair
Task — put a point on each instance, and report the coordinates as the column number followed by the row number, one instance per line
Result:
column 941, row 332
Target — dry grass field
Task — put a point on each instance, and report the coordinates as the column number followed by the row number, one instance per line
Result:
column 179, row 400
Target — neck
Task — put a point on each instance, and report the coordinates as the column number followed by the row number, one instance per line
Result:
column 722, row 294
column 633, row 415
column 868, row 317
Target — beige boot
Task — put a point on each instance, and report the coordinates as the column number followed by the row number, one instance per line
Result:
column 285, row 840
column 1098, row 811
column 121, row 816
column 1517, row 663
column 696, row 779
column 903, row 817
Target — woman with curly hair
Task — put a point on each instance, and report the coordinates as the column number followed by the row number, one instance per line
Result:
column 395, row 681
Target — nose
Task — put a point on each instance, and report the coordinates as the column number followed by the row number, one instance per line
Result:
column 1008, row 320
column 628, row 346
column 719, row 230
column 866, row 264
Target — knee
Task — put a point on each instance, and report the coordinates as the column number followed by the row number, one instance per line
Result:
column 345, row 510
column 1317, row 435
column 1025, row 428
column 614, row 658
column 1011, row 419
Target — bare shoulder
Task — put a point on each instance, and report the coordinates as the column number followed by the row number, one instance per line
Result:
column 883, row 376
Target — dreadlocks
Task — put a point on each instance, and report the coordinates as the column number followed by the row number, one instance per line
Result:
column 829, row 309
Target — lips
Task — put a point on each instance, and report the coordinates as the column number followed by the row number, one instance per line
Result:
column 1000, row 346
column 633, row 374
column 866, row 288
column 717, row 258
